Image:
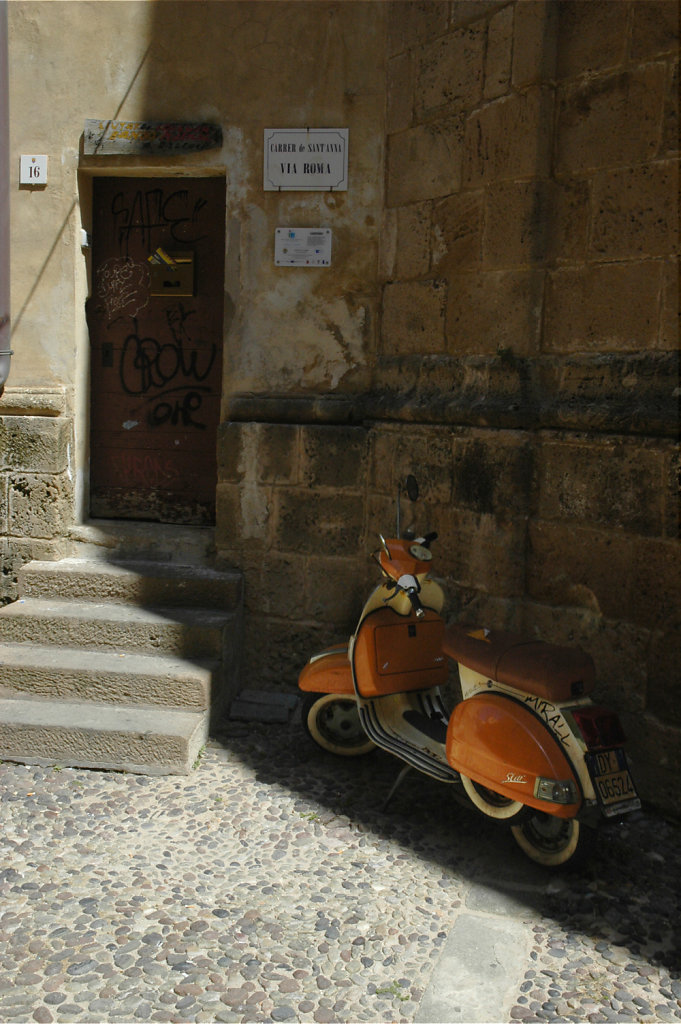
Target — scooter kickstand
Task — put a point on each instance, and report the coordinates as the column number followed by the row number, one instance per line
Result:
column 403, row 773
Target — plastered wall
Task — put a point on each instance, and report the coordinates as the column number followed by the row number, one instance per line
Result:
column 244, row 67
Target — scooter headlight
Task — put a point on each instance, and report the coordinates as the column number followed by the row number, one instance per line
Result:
column 556, row 791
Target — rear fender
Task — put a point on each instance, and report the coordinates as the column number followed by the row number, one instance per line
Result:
column 328, row 672
column 505, row 747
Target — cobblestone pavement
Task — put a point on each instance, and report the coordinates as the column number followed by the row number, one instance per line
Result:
column 270, row 886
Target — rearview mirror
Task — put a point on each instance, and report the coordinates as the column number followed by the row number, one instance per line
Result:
column 412, row 486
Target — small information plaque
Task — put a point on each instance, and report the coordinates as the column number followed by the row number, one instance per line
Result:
column 302, row 247
column 313, row 159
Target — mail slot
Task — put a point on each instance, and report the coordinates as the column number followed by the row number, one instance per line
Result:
column 175, row 277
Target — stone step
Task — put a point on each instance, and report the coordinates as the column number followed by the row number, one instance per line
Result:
column 120, row 539
column 147, row 584
column 189, row 632
column 66, row 674
column 118, row 664
column 89, row 735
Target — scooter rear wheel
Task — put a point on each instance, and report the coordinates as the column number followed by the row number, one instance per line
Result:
column 552, row 841
column 491, row 804
column 332, row 721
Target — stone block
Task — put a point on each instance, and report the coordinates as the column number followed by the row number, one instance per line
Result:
column 655, row 750
column 400, row 93
column 36, row 444
column 414, row 316
column 413, row 241
column 665, row 671
column 476, row 390
column 534, row 42
column 670, row 125
column 656, row 574
column 3, row 503
column 499, row 53
column 576, row 566
column 672, row 491
column 530, row 222
column 277, row 585
column 495, row 310
column 603, row 307
column 415, row 22
column 16, row 552
column 611, row 120
column 384, row 440
column 425, row 162
column 509, row 138
column 396, row 375
column 264, row 452
column 40, row 506
column 463, row 12
column 229, row 451
column 17, row 400
column 449, row 72
column 424, row 450
column 242, row 519
column 457, row 233
column 592, row 35
column 492, row 473
column 602, row 482
column 654, row 29
column 317, row 524
column 276, row 650
column 635, row 211
column 613, row 392
column 387, row 248
column 616, row 574
column 669, row 316
column 333, row 591
column 481, row 552
column 664, row 680
column 333, row 456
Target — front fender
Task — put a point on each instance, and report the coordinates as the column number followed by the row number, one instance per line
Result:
column 503, row 746
column 328, row 672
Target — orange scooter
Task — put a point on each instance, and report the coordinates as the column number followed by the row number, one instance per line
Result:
column 525, row 743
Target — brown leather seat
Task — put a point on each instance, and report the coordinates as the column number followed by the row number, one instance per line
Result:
column 545, row 670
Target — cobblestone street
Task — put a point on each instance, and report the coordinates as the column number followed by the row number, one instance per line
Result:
column 270, row 886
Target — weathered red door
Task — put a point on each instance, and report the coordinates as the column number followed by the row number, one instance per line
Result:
column 156, row 320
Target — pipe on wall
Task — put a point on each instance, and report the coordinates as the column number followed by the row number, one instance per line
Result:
column 5, row 350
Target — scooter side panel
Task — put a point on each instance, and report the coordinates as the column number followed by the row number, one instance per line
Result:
column 503, row 746
column 393, row 654
column 328, row 672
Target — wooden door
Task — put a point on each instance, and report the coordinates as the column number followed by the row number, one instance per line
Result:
column 156, row 321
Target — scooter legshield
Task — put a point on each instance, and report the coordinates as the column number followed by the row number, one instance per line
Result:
column 328, row 672
column 501, row 745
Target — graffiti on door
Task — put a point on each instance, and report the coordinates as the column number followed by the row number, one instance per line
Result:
column 157, row 369
column 153, row 213
column 122, row 287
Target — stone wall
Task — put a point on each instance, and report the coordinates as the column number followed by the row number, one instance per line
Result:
column 36, row 480
column 501, row 316
column 527, row 367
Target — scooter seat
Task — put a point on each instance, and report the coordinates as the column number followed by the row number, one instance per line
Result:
column 545, row 670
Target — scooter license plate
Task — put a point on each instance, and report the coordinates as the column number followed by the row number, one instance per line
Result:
column 613, row 782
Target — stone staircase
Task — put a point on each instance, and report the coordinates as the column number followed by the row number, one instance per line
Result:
column 121, row 656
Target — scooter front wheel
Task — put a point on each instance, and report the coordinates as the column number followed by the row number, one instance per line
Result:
column 552, row 841
column 332, row 721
